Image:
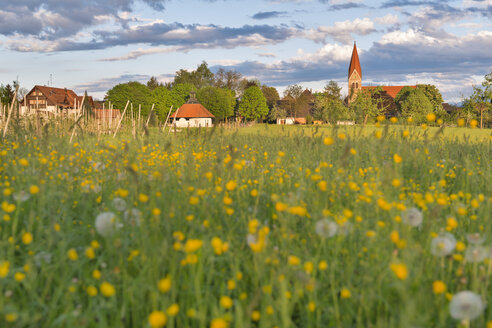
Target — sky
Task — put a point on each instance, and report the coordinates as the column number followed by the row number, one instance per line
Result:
column 95, row 44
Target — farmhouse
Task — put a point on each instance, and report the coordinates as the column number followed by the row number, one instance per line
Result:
column 192, row 114
column 52, row 100
column 355, row 82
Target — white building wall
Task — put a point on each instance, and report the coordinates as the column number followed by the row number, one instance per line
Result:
column 193, row 122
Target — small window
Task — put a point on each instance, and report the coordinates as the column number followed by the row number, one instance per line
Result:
column 357, row 85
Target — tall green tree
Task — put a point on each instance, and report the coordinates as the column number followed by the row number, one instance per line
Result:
column 253, row 104
column 479, row 104
column 367, row 105
column 152, row 83
column 271, row 95
column 333, row 90
column 416, row 105
column 329, row 109
column 220, row 102
column 136, row 92
column 162, row 100
column 228, row 79
column 201, row 77
column 6, row 94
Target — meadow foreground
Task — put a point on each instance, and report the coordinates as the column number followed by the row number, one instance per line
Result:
column 258, row 227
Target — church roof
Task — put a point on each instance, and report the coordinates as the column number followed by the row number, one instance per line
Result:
column 391, row 90
column 354, row 63
column 192, row 111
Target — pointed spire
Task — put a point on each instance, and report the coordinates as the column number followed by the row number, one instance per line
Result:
column 354, row 63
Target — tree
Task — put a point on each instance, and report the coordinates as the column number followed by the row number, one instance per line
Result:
column 201, row 77
column 6, row 94
column 163, row 98
column 480, row 102
column 432, row 93
column 329, row 109
column 228, row 79
column 152, row 84
column 136, row 92
column 333, row 90
column 220, row 102
column 276, row 113
column 368, row 105
column 402, row 96
column 292, row 95
column 416, row 105
column 253, row 104
column 271, row 95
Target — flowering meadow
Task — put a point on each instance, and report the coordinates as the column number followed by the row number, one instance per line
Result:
column 266, row 226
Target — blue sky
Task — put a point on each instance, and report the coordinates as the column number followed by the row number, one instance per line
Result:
column 93, row 45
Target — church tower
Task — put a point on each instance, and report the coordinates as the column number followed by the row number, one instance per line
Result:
column 354, row 76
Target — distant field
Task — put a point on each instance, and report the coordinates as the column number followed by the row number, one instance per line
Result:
column 268, row 226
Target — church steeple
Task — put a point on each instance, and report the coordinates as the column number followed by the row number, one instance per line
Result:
column 354, row 63
column 354, row 75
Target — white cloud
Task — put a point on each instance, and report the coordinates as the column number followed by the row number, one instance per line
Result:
column 342, row 31
column 389, row 19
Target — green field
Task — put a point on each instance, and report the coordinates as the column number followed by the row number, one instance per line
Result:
column 266, row 226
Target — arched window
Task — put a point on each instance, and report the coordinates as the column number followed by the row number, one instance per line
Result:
column 353, row 85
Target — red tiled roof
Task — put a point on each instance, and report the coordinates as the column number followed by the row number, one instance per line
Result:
column 354, row 63
column 391, row 90
column 192, row 111
column 57, row 96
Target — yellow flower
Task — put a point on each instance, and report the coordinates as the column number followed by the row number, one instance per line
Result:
column 11, row 317
column 193, row 245
column 311, row 306
column 164, row 285
column 461, row 122
column 8, row 208
column 323, row 265
column 96, row 274
column 19, row 276
column 34, row 189
column 255, row 315
column 231, row 185
column 157, row 319
column 341, row 136
column 92, row 291
column 254, row 193
column 23, row 162
column 293, row 260
column 226, row 302
column 231, row 285
column 393, row 120
column 328, row 141
column 107, row 289
column 143, row 198
column 400, row 271
column 298, row 210
column 173, row 310
column 438, row 287
column 431, row 117
column 473, row 123
column 397, row 158
column 218, row 323
column 89, row 253
column 27, row 238
column 345, row 293
column 194, row 200
column 280, row 207
column 72, row 254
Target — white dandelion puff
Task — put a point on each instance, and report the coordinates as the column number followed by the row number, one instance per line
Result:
column 119, row 204
column 250, row 239
column 326, row 228
column 412, row 216
column 476, row 254
column 475, row 238
column 21, row 196
column 133, row 216
column 466, row 305
column 443, row 244
column 107, row 223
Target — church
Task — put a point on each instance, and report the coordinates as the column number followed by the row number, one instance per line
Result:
column 355, row 83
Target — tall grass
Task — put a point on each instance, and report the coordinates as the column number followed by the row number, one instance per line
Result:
column 274, row 184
